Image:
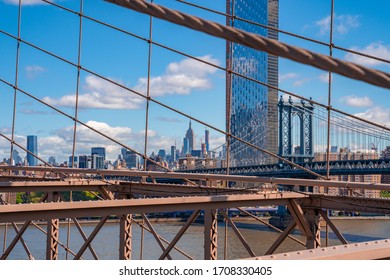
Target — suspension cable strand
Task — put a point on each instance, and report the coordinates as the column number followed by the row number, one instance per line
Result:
column 192, row 57
column 122, row 85
column 270, row 46
column 285, row 32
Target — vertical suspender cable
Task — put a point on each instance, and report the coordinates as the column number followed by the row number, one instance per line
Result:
column 329, row 103
column 147, row 113
column 229, row 64
column 329, row 91
column 14, row 107
column 76, row 109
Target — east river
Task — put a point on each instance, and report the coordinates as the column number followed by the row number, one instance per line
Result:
column 259, row 236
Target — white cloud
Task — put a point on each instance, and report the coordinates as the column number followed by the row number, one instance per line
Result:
column 324, row 77
column 300, row 82
column 100, row 94
column 377, row 114
column 25, row 2
column 32, row 71
column 342, row 24
column 288, row 76
column 376, row 49
column 179, row 78
column 355, row 101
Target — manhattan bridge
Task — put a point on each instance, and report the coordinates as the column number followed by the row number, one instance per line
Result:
column 311, row 173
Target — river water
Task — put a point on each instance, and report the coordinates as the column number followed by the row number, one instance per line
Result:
column 260, row 238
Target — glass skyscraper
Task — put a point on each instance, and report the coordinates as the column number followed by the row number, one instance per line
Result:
column 32, row 146
column 251, row 108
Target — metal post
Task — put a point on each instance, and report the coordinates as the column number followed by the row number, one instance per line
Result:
column 313, row 218
column 210, row 234
column 126, row 236
column 53, row 227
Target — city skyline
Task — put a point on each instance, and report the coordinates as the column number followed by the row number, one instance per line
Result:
column 201, row 92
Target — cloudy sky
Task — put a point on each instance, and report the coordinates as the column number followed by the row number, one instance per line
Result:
column 175, row 80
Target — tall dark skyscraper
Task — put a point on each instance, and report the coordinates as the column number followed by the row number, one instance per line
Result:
column 32, row 146
column 207, row 139
column 101, row 151
column 191, row 139
column 251, row 108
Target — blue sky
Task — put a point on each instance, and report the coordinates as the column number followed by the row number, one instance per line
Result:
column 177, row 81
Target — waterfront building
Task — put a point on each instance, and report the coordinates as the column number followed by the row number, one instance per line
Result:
column 32, row 147
column 131, row 159
column 207, row 139
column 385, row 155
column 251, row 108
column 346, row 154
column 101, row 151
column 70, row 163
column 52, row 160
column 162, row 153
column 85, row 161
column 97, row 161
column 173, row 153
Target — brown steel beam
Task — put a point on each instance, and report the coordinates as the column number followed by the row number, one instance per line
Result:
column 51, row 186
column 44, row 211
column 210, row 234
column 91, row 237
column 269, row 225
column 208, row 177
column 83, row 235
column 347, row 203
column 239, row 235
column 373, row 250
column 333, row 227
column 297, row 214
column 28, row 252
column 184, row 228
column 59, row 243
column 164, row 240
column 53, row 228
column 281, row 238
column 313, row 219
column 156, row 236
column 15, row 240
column 125, row 237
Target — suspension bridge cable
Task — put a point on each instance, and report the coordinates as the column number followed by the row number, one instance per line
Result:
column 270, row 46
column 100, row 76
column 200, row 60
column 283, row 31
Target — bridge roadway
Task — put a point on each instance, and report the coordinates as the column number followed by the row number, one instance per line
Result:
column 342, row 167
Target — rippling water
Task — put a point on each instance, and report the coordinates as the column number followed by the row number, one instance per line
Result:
column 260, row 238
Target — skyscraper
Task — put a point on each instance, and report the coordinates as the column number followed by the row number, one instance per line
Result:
column 207, row 139
column 251, row 108
column 191, row 138
column 101, row 151
column 32, row 147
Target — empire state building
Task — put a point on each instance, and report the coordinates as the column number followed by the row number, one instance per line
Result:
column 191, row 139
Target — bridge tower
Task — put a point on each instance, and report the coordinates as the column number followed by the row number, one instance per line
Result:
column 304, row 111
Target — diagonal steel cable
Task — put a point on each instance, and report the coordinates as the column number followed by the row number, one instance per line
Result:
column 284, row 31
column 194, row 58
column 121, row 85
column 145, row 97
column 271, row 46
